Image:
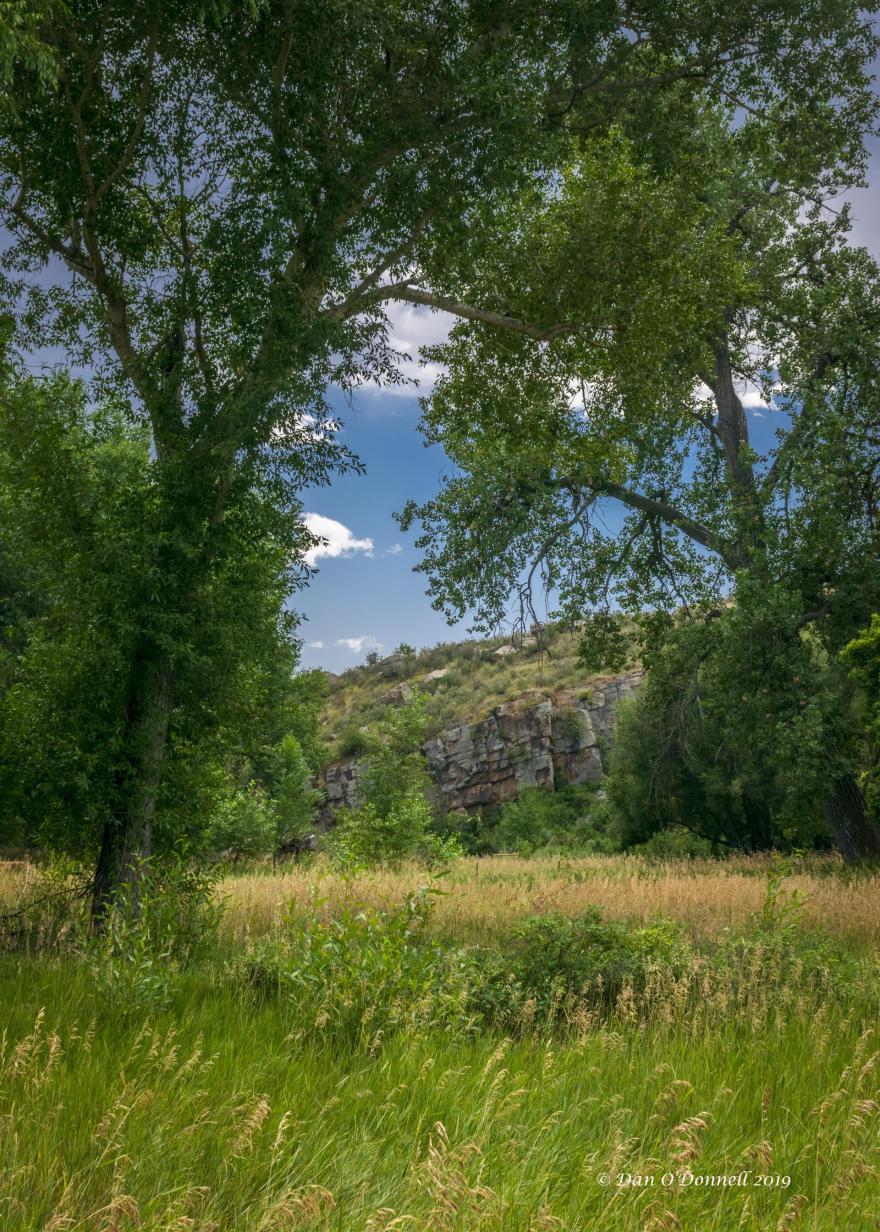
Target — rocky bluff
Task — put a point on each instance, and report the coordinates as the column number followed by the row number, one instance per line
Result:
column 534, row 741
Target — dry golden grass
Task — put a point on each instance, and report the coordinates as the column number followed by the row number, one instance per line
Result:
column 484, row 897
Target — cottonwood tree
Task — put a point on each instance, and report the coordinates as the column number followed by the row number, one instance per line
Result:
column 80, row 512
column 213, row 207
column 602, row 445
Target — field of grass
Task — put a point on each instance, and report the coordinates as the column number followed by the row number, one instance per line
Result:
column 358, row 1091
column 476, row 682
column 484, row 898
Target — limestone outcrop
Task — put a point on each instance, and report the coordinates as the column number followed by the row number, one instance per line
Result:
column 534, row 741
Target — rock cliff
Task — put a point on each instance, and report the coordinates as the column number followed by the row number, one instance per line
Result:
column 535, row 741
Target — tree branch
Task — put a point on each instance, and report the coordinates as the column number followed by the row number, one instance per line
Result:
column 410, row 294
column 665, row 512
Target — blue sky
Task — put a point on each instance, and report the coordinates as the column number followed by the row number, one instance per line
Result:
column 367, row 597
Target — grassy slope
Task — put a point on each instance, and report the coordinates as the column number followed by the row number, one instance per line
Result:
column 476, row 683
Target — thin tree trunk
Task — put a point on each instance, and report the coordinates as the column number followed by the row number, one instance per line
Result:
column 126, row 838
column 857, row 837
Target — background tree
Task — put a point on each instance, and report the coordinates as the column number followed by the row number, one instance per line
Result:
column 862, row 657
column 79, row 497
column 675, row 279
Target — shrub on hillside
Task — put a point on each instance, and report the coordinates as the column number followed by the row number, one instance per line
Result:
column 571, row 819
column 392, row 819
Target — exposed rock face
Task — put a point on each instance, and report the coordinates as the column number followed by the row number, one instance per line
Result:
column 535, row 741
column 430, row 682
column 398, row 696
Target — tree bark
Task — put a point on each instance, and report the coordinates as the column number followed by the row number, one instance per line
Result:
column 856, row 836
column 126, row 837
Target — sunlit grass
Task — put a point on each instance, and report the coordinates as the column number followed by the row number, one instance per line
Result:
column 484, row 897
column 209, row 1117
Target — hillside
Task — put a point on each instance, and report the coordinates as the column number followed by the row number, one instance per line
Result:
column 461, row 682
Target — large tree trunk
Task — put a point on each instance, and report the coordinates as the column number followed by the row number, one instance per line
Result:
column 855, row 834
column 126, row 838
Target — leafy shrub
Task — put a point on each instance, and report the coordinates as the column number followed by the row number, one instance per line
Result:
column 363, row 976
column 294, row 799
column 244, row 824
column 392, row 820
column 364, row 836
column 352, row 742
column 136, row 959
column 676, row 842
column 571, row 819
column 553, row 960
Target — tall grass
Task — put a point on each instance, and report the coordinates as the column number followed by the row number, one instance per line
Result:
column 322, row 1066
column 485, row 897
column 207, row 1117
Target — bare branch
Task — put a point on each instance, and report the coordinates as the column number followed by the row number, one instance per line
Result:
column 411, row 294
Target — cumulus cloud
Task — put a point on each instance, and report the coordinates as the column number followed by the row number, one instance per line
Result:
column 359, row 644
column 339, row 539
column 394, row 550
column 413, row 327
column 315, row 645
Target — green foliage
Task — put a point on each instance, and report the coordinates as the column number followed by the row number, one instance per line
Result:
column 294, row 799
column 571, row 819
column 359, row 979
column 137, row 960
column 80, row 573
column 392, row 819
column 553, row 959
column 735, row 733
column 352, row 742
column 244, row 824
column 862, row 657
column 616, row 378
column 673, row 843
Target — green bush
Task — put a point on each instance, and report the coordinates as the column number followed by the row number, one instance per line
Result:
column 571, row 819
column 552, row 960
column 244, row 824
column 352, row 742
column 362, row 977
column 137, row 958
column 392, row 820
column 363, row 837
column 675, row 842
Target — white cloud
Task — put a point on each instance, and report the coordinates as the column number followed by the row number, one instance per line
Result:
column 752, row 398
column 412, row 327
column 394, row 550
column 339, row 539
column 359, row 644
column 304, row 425
column 315, row 645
